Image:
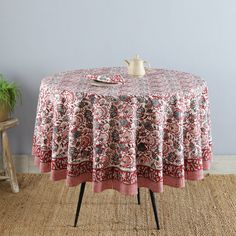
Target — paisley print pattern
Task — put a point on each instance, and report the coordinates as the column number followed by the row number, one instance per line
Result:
column 145, row 132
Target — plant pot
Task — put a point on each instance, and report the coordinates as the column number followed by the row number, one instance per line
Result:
column 4, row 112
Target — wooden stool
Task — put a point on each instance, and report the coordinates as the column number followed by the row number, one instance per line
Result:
column 7, row 157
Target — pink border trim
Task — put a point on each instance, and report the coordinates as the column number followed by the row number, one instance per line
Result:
column 207, row 164
column 43, row 167
column 58, row 175
column 173, row 181
column 130, row 189
column 154, row 186
column 196, row 175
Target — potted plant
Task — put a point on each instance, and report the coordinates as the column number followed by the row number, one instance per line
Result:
column 9, row 93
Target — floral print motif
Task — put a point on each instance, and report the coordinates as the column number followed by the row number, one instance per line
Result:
column 144, row 132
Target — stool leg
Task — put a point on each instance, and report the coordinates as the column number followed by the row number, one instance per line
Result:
column 10, row 168
column 79, row 203
column 138, row 196
column 154, row 208
column 4, row 172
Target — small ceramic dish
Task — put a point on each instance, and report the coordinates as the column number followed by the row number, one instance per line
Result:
column 114, row 79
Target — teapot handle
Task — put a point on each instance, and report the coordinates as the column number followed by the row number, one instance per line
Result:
column 148, row 65
column 127, row 62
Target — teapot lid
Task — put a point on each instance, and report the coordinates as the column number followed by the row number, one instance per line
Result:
column 137, row 58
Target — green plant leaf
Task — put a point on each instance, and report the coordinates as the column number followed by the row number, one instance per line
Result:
column 9, row 93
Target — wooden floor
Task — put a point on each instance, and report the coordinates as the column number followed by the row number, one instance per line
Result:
column 222, row 164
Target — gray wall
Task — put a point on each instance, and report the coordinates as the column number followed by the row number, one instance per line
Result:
column 38, row 38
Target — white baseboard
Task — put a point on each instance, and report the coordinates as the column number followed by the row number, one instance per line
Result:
column 223, row 164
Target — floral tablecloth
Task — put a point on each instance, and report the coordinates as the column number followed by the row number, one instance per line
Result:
column 145, row 132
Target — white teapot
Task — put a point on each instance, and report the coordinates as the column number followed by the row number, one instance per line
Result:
column 136, row 66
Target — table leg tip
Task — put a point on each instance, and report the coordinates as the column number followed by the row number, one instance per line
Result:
column 16, row 190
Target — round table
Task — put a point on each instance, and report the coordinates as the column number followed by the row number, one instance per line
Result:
column 144, row 132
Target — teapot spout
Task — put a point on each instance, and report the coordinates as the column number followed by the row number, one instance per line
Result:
column 127, row 62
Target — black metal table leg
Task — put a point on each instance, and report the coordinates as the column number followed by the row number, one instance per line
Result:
column 154, row 208
column 81, row 194
column 79, row 202
column 138, row 196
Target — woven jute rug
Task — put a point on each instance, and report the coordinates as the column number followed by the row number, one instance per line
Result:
column 43, row 207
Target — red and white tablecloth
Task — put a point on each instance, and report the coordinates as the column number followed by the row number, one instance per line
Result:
column 145, row 132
